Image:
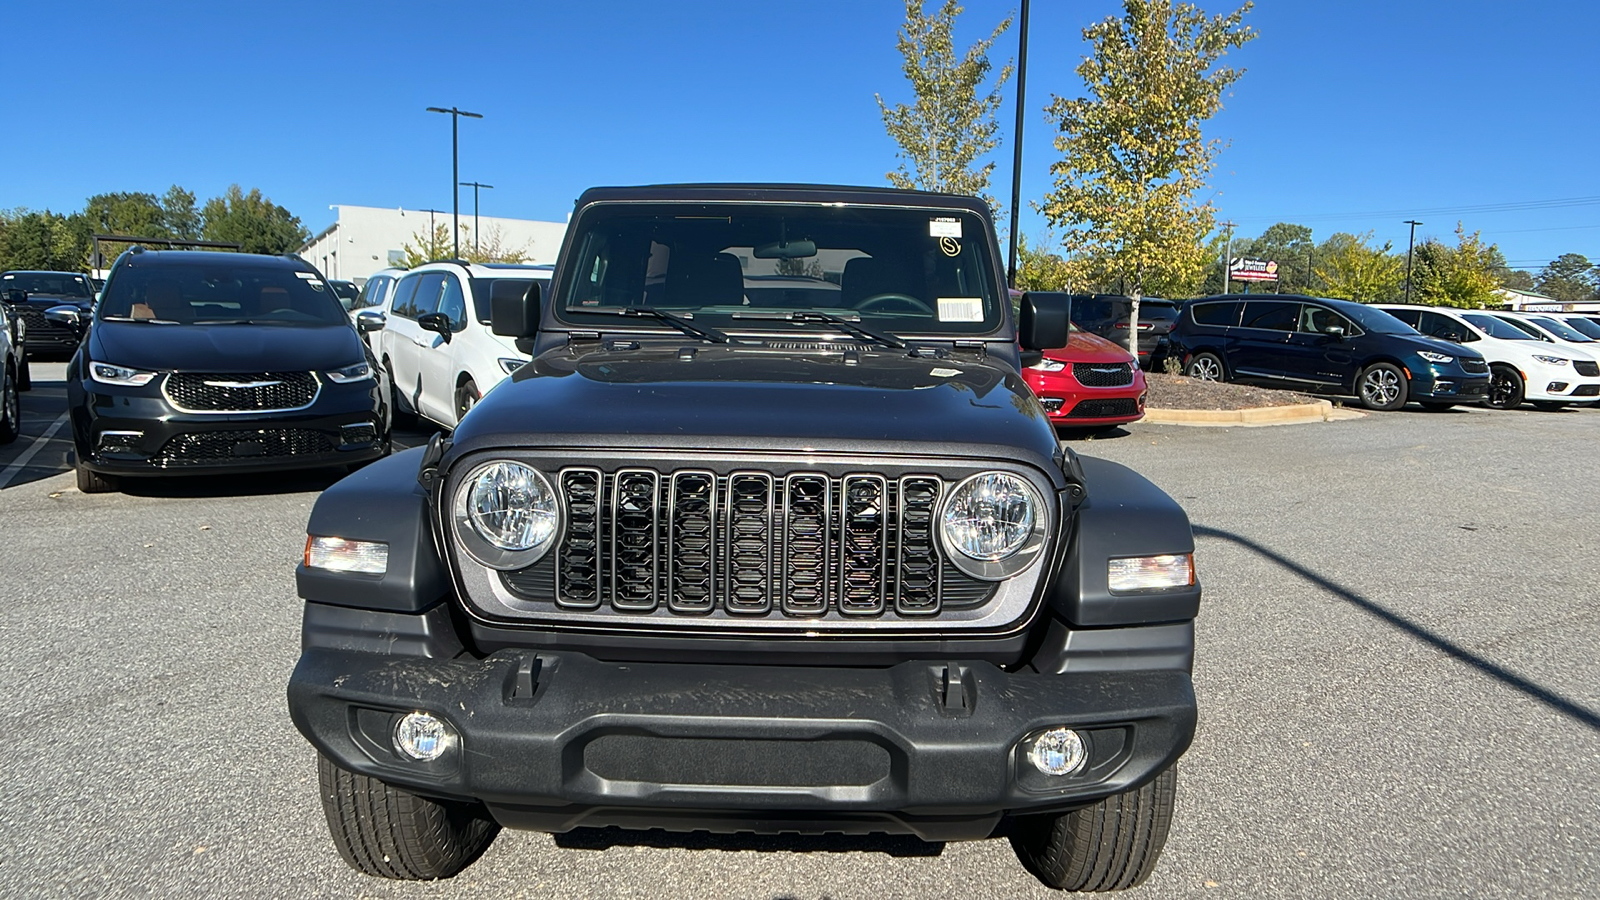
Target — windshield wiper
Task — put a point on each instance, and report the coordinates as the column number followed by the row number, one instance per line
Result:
column 683, row 325
column 845, row 325
column 138, row 321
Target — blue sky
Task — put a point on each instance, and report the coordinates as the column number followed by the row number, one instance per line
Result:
column 1353, row 116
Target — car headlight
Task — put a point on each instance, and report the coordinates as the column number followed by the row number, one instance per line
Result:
column 106, row 373
column 993, row 525
column 1552, row 360
column 358, row 372
column 1440, row 358
column 505, row 515
column 1048, row 365
column 511, row 365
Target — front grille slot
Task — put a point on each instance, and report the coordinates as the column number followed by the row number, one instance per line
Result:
column 1588, row 368
column 1103, row 374
column 241, row 392
column 1104, row 408
column 635, row 520
column 578, row 558
column 917, row 588
column 863, row 545
column 692, row 532
column 805, row 545
column 749, row 543
column 1474, row 366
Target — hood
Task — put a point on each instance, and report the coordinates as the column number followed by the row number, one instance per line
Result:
column 1440, row 345
column 224, row 348
column 1085, row 347
column 754, row 398
column 47, row 300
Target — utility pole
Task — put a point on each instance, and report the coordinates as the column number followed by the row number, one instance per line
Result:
column 1016, row 140
column 455, row 168
column 475, row 185
column 1227, row 258
column 1409, row 245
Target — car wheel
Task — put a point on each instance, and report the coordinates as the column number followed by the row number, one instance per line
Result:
column 400, row 413
column 1382, row 386
column 1432, row 406
column 1205, row 367
column 385, row 831
column 1505, row 388
column 467, row 397
column 1549, row 405
column 1110, row 846
column 25, row 375
column 10, row 408
column 95, row 483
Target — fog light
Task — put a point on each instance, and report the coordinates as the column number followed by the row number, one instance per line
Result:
column 422, row 736
column 120, row 441
column 1052, row 404
column 1556, row 387
column 1444, row 387
column 340, row 555
column 1059, row 751
column 363, row 433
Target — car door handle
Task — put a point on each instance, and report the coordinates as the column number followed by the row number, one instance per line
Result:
column 421, row 342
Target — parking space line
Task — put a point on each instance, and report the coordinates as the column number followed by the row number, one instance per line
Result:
column 21, row 462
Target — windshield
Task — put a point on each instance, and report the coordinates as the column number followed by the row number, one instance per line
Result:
column 1587, row 326
column 742, row 266
column 59, row 284
column 221, row 294
column 1496, row 328
column 1565, row 332
column 1375, row 320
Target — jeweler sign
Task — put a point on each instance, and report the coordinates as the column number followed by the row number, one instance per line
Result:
column 1241, row 269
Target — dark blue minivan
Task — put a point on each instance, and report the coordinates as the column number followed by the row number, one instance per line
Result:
column 1326, row 346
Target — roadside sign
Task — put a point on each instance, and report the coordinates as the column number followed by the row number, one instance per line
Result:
column 1242, row 269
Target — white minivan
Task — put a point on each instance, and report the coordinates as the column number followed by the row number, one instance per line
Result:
column 435, row 341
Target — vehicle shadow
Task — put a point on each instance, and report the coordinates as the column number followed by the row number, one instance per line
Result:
column 33, row 456
column 1102, row 433
column 261, row 484
column 1581, row 714
column 898, row 845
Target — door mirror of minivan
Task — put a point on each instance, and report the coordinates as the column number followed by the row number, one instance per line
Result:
column 369, row 321
column 70, row 316
column 1334, row 331
column 1044, row 321
column 15, row 296
column 436, row 322
column 513, row 311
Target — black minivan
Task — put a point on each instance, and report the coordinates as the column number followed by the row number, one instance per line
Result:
column 200, row 362
column 1327, row 346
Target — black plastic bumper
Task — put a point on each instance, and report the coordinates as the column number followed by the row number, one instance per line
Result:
column 559, row 740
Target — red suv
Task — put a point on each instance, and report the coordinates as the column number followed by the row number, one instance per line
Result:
column 1090, row 383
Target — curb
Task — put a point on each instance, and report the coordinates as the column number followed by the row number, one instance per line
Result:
column 1299, row 414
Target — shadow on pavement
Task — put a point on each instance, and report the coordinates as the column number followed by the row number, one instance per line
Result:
column 890, row 844
column 41, row 407
column 1102, row 433
column 1553, row 700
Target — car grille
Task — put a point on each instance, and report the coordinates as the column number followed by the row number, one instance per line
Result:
column 1586, row 390
column 748, row 545
column 1103, row 374
column 1104, row 408
column 1474, row 366
column 1586, row 367
column 199, row 448
column 241, row 392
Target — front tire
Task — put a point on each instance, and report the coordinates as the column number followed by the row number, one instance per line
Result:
column 1382, row 387
column 10, row 408
column 24, row 374
column 1205, row 367
column 1110, row 846
column 1506, row 390
column 392, row 833
column 467, row 397
column 400, row 414
column 95, row 483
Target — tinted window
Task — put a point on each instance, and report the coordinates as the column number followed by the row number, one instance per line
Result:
column 430, row 287
column 1563, row 331
column 60, row 284
column 404, row 293
column 221, row 293
column 1586, row 326
column 1376, row 320
column 1316, row 319
column 1409, row 316
column 1433, row 324
column 453, row 304
column 371, row 293
column 1224, row 313
column 1497, row 328
column 1274, row 315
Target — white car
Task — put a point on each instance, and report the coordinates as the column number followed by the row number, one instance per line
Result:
column 434, row 338
column 1522, row 366
column 375, row 293
column 1567, row 341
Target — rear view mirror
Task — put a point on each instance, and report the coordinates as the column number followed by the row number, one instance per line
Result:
column 436, row 322
column 15, row 295
column 370, row 321
column 514, row 312
column 1336, row 331
column 801, row 249
column 1044, row 321
column 70, row 316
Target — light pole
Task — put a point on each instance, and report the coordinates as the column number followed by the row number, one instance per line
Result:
column 1227, row 258
column 455, row 168
column 475, row 186
column 1016, row 140
column 1409, row 245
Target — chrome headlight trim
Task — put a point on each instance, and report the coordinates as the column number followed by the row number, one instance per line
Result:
column 1019, row 559
column 479, row 548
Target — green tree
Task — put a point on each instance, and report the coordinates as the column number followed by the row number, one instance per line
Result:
column 179, row 215
column 41, row 240
column 1133, row 153
column 1516, row 279
column 1463, row 275
column 425, row 247
column 1350, row 269
column 1040, row 270
column 252, row 221
column 126, row 212
column 950, row 126
column 1569, row 278
column 1288, row 245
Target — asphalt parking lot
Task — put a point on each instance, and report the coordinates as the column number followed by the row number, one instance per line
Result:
column 1397, row 675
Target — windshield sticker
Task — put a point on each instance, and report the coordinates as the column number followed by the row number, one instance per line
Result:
column 944, row 226
column 944, row 373
column 950, row 246
column 961, row 309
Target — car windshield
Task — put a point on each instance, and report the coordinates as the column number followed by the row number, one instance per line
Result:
column 1587, row 326
column 733, row 266
column 1497, row 328
column 1375, row 320
column 220, row 294
column 59, row 284
column 1565, row 332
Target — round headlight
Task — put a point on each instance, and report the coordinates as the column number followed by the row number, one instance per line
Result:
column 506, row 515
column 994, row 524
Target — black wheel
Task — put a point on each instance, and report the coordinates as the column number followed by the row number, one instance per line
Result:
column 1205, row 367
column 400, row 412
column 95, row 483
column 25, row 375
column 385, row 831
column 1382, row 386
column 1549, row 405
column 467, row 397
column 10, row 408
column 1505, row 388
column 1110, row 846
column 1435, row 406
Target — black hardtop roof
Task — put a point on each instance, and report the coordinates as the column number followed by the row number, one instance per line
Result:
column 214, row 258
column 786, row 193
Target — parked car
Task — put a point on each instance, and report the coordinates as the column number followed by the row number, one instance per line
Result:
column 1089, row 383
column 13, row 362
column 1588, row 325
column 1107, row 315
column 345, row 291
column 435, row 340
column 1521, row 367
column 201, row 362
column 1330, row 346
column 30, row 293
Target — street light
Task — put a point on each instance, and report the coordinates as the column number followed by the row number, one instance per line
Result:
column 475, row 186
column 455, row 168
column 1016, row 151
column 1410, row 243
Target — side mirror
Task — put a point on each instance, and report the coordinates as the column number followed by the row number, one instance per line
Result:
column 1045, row 321
column 1334, row 331
column 514, row 313
column 436, row 322
column 70, row 316
column 370, row 321
column 14, row 296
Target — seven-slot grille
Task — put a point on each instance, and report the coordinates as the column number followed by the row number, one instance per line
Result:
column 1103, row 374
column 1585, row 367
column 241, row 392
column 1475, row 366
column 748, row 544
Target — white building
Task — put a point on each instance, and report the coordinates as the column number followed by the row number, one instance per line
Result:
column 1528, row 301
column 364, row 239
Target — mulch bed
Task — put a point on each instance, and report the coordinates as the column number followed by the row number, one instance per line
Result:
column 1181, row 392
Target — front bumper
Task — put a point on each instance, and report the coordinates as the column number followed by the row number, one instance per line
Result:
column 560, row 740
column 1449, row 384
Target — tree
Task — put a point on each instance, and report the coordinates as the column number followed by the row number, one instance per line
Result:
column 1516, row 280
column 41, row 240
column 1569, row 278
column 1463, row 275
column 179, row 215
column 949, row 127
column 1291, row 247
column 1133, row 154
column 491, row 248
column 126, row 212
column 252, row 221
column 1350, row 269
column 1040, row 270
column 427, row 247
